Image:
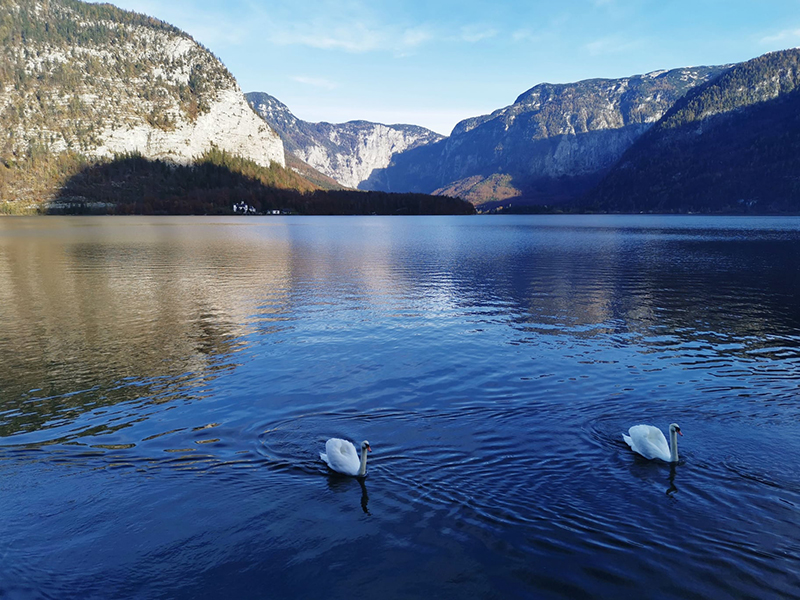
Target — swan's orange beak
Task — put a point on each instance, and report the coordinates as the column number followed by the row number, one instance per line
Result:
column 680, row 432
column 369, row 448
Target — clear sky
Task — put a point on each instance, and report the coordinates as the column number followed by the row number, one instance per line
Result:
column 435, row 62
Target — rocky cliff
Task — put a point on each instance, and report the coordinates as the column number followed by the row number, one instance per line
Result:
column 730, row 145
column 551, row 145
column 98, row 81
column 347, row 152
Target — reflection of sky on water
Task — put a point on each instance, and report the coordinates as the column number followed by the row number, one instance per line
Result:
column 171, row 382
column 163, row 304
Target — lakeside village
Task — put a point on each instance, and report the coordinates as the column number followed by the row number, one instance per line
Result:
column 242, row 208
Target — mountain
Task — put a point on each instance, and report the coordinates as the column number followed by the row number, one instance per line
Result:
column 108, row 111
column 347, row 152
column 91, row 81
column 553, row 144
column 731, row 145
column 100, row 80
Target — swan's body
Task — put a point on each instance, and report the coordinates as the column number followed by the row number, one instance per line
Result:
column 651, row 443
column 341, row 456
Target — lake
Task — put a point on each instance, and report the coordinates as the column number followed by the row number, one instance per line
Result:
column 168, row 385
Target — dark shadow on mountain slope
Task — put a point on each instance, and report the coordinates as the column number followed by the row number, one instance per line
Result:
column 135, row 185
column 741, row 161
column 415, row 170
column 556, row 170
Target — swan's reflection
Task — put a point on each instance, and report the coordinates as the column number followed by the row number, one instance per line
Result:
column 364, row 495
column 341, row 484
column 672, row 488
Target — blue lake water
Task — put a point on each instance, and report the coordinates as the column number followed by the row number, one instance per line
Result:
column 168, row 383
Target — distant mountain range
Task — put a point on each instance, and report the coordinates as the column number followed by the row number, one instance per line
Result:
column 550, row 146
column 347, row 152
column 83, row 85
column 105, row 110
column 701, row 139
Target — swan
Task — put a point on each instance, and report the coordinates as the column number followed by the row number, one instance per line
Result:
column 651, row 443
column 340, row 455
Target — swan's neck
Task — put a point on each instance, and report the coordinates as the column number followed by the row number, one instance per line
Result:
column 362, row 470
column 673, row 446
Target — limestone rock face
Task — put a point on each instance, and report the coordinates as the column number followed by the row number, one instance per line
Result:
column 551, row 144
column 100, row 81
column 229, row 124
column 347, row 152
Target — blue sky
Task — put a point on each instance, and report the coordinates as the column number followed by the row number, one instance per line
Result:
column 433, row 63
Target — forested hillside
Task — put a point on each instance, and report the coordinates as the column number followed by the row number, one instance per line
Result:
column 217, row 180
column 83, row 82
column 731, row 145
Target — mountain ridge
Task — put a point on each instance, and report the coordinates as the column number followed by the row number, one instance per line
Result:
column 106, row 110
column 101, row 80
column 84, row 82
column 551, row 145
column 347, row 152
column 730, row 145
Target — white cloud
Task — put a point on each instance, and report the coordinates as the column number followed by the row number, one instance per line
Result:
column 362, row 36
column 526, row 35
column 416, row 36
column 612, row 45
column 476, row 33
column 353, row 37
column 790, row 36
column 353, row 26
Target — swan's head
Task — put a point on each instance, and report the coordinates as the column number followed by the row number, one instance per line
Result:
column 365, row 445
column 675, row 427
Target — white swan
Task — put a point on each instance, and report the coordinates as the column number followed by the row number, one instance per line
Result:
column 651, row 443
column 340, row 455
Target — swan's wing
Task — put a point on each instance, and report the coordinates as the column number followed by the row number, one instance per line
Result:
column 342, row 456
column 649, row 441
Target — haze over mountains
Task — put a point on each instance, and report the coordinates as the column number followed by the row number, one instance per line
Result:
column 85, row 83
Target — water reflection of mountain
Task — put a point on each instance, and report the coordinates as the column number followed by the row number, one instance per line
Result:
column 99, row 310
column 715, row 291
column 733, row 289
column 736, row 290
column 93, row 305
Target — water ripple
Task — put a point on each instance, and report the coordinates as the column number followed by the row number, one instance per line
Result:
column 168, row 386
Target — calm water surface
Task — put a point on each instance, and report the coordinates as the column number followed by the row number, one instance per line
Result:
column 167, row 385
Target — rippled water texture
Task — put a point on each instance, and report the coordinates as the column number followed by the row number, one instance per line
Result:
column 167, row 385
